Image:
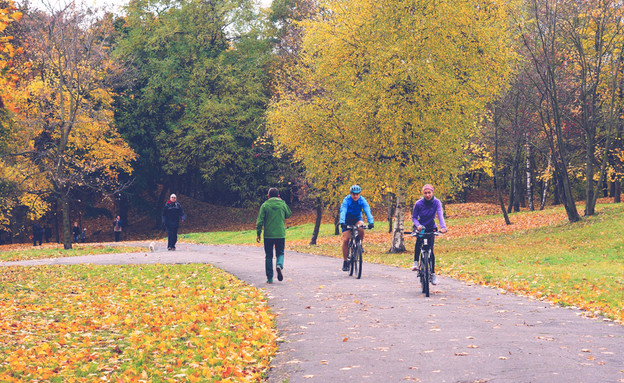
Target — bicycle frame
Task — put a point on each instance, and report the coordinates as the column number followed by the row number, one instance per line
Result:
column 425, row 269
column 355, row 250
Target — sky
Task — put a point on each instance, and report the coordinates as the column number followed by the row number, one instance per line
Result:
column 113, row 3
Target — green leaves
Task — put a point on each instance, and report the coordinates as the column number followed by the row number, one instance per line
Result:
column 202, row 91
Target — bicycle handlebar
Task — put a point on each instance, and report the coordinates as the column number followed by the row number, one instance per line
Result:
column 365, row 227
column 422, row 233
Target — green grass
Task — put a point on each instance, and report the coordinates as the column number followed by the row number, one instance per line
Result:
column 579, row 264
column 247, row 237
column 29, row 253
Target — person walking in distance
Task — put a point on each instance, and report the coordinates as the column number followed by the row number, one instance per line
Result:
column 76, row 232
column 272, row 216
column 117, row 228
column 171, row 216
column 37, row 234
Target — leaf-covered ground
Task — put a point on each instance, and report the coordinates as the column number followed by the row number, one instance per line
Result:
column 22, row 252
column 131, row 323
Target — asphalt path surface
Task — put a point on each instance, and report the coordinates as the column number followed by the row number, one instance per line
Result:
column 336, row 328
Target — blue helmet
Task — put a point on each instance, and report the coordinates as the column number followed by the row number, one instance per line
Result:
column 356, row 189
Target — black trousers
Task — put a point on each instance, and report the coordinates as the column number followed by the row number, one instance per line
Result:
column 269, row 244
column 172, row 236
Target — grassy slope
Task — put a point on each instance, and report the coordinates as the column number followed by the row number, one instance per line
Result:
column 540, row 255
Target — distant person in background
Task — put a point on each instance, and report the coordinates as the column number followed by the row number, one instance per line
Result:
column 271, row 216
column 76, row 232
column 37, row 234
column 47, row 232
column 171, row 216
column 83, row 235
column 117, row 228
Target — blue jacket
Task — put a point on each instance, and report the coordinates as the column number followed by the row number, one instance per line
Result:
column 351, row 211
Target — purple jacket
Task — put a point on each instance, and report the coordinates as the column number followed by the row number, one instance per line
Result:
column 425, row 211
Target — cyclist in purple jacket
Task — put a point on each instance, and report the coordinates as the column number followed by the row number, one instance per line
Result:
column 423, row 216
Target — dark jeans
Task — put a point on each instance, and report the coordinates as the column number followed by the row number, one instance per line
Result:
column 37, row 238
column 172, row 236
column 117, row 235
column 279, row 244
column 419, row 243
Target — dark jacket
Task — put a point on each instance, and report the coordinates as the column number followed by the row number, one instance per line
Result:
column 37, row 230
column 172, row 214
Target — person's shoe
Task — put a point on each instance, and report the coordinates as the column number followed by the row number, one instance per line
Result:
column 415, row 266
column 345, row 266
column 173, row 248
column 269, row 281
column 169, row 248
column 434, row 279
column 280, row 277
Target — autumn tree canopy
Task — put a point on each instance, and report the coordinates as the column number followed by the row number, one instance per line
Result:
column 61, row 133
column 392, row 90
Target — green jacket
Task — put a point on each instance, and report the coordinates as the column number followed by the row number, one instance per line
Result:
column 272, row 214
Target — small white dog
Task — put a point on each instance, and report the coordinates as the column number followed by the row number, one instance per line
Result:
column 152, row 246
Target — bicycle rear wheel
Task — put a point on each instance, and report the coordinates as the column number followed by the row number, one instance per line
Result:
column 358, row 260
column 425, row 272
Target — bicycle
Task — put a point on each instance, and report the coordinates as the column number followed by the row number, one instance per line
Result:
column 355, row 250
column 425, row 263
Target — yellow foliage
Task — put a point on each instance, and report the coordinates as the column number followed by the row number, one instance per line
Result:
column 389, row 90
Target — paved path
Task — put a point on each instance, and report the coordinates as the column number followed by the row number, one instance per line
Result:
column 335, row 328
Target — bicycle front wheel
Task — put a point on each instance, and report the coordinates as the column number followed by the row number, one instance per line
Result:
column 425, row 272
column 352, row 267
column 358, row 261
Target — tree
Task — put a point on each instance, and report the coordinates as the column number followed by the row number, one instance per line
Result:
column 61, row 128
column 196, row 105
column 389, row 92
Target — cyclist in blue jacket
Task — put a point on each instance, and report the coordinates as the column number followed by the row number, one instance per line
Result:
column 351, row 214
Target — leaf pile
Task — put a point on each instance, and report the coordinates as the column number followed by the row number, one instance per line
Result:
column 132, row 323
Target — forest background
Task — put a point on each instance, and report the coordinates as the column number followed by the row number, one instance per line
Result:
column 106, row 114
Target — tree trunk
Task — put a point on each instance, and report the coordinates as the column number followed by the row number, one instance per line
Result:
column 602, row 173
column 317, row 223
column 498, row 189
column 514, row 194
column 590, row 159
column 529, row 174
column 398, row 244
column 545, row 191
column 337, row 221
column 391, row 210
column 617, row 191
column 512, row 189
column 67, row 237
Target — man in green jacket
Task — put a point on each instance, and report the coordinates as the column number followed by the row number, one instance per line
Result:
column 272, row 214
